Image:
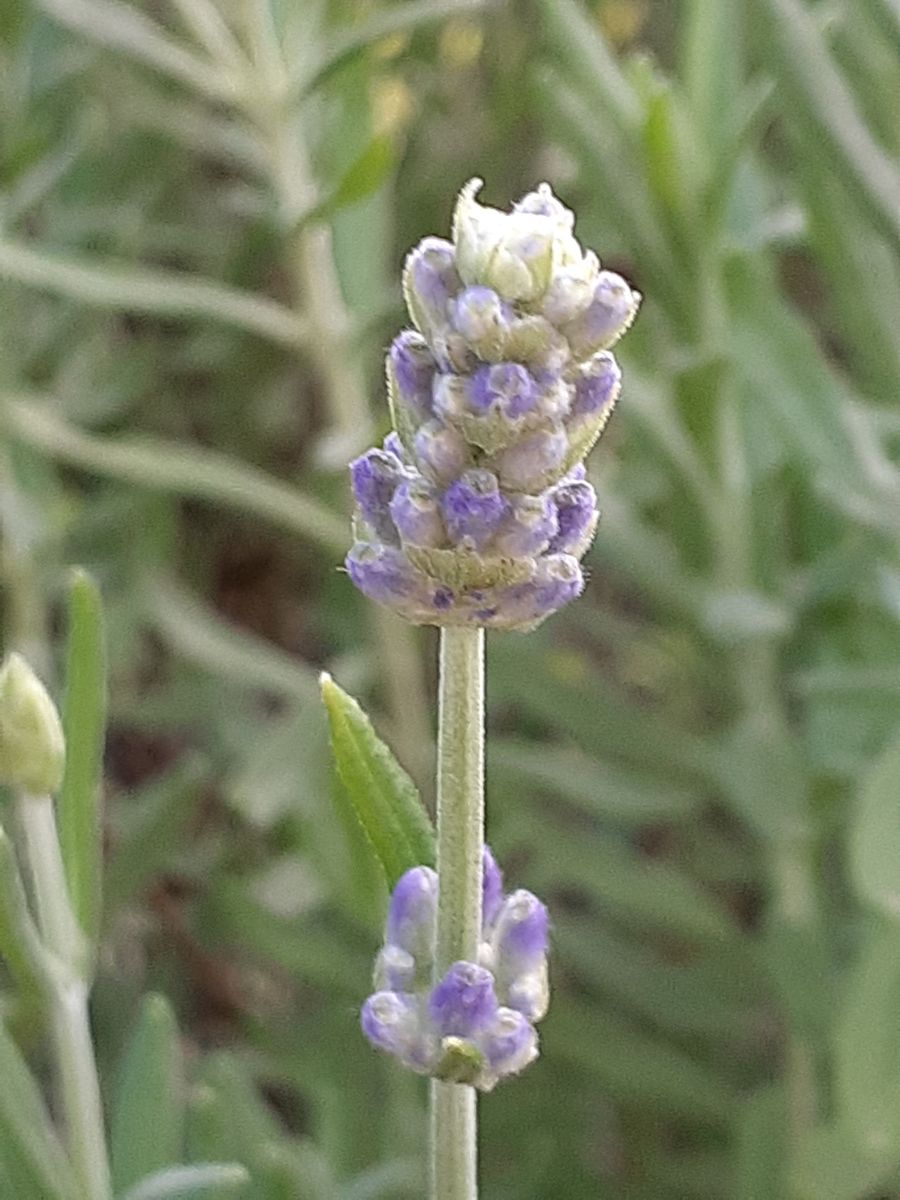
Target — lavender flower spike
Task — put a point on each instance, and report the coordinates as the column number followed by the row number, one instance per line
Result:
column 470, row 516
column 476, row 1024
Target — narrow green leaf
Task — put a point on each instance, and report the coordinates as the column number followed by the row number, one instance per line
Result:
column 203, row 636
column 761, row 1157
column 398, row 19
column 619, row 879
column 153, row 830
column 875, row 839
column 177, row 469
column 120, row 288
column 384, row 798
column 364, row 176
column 611, row 793
column 867, row 1055
column 26, row 1127
column 190, row 1183
column 828, row 109
column 20, row 942
column 634, row 1066
column 712, row 70
column 148, row 1116
column 577, row 42
column 84, row 722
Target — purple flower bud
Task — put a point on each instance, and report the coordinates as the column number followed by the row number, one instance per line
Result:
column 473, row 508
column 393, row 445
column 390, row 1021
column 395, row 970
column 373, row 477
column 610, row 312
column 576, row 509
column 491, row 888
column 482, row 319
column 529, row 993
column 506, row 386
column 441, row 452
column 383, row 573
column 416, row 513
column 530, row 524
column 510, row 1043
column 556, row 580
column 596, row 386
column 541, row 202
column 520, row 936
column 570, row 291
column 463, row 1002
column 412, row 369
column 533, row 462
column 430, row 281
column 411, row 912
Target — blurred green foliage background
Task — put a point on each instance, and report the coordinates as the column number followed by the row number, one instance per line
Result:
column 204, row 205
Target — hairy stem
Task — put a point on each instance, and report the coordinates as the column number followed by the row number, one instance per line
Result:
column 460, row 843
column 78, row 1084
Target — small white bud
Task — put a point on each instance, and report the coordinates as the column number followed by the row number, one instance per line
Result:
column 32, row 746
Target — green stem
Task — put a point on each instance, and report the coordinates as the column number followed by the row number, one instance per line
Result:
column 79, row 1087
column 460, row 810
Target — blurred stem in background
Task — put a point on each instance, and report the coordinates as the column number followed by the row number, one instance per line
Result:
column 319, row 304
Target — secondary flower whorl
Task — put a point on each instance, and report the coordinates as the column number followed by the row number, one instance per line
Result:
column 476, row 511
column 477, row 1023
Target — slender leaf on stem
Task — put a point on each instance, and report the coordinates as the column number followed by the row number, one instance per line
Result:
column 26, row 1126
column 191, row 1183
column 153, row 834
column 867, row 1065
column 203, row 636
column 875, row 842
column 383, row 796
column 20, row 942
column 122, row 288
column 177, row 469
column 712, row 70
column 397, row 19
column 84, row 719
column 148, row 1116
column 122, row 27
column 826, row 106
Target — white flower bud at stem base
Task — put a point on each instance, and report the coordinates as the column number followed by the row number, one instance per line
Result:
column 32, row 746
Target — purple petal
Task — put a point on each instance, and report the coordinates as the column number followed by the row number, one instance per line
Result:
column 509, row 1044
column 411, row 912
column 529, row 525
column 491, row 888
column 529, row 464
column 415, row 511
column 520, row 937
column 383, row 573
column 373, row 478
column 606, row 318
column 576, row 508
column 413, row 367
column 596, row 386
column 441, row 452
column 473, row 508
column 463, row 1002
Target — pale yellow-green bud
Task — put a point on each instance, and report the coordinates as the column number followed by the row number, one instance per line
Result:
column 32, row 746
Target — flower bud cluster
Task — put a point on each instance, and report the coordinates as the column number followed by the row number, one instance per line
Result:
column 476, row 511
column 476, row 1024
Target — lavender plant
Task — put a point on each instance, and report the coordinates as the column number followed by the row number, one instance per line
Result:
column 473, row 515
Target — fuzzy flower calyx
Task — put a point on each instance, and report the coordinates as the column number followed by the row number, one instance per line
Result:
column 475, row 511
column 476, row 1023
column 32, row 745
